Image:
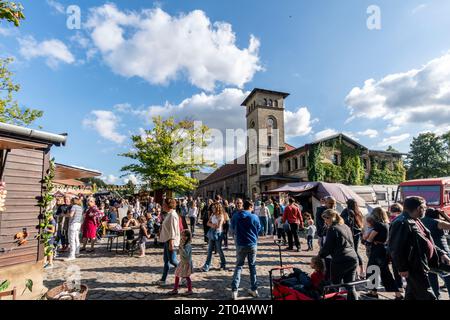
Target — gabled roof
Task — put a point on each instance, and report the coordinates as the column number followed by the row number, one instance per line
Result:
column 337, row 136
column 256, row 90
column 289, row 147
column 227, row 170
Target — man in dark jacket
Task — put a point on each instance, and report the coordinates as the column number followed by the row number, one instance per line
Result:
column 413, row 250
column 326, row 203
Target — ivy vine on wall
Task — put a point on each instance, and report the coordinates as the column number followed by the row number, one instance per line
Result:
column 351, row 169
column 45, row 204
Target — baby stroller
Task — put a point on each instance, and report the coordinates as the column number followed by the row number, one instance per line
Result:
column 297, row 285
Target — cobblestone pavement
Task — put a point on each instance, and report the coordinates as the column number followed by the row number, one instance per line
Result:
column 112, row 276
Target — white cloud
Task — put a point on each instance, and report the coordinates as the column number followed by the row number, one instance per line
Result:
column 298, row 123
column 56, row 6
column 158, row 47
column 324, row 134
column 105, row 123
column 393, row 140
column 131, row 178
column 351, row 135
column 419, row 8
column 371, row 133
column 123, row 107
column 53, row 50
column 219, row 111
column 419, row 96
column 392, row 129
column 8, row 32
column 110, row 179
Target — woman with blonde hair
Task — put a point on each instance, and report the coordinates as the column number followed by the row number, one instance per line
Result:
column 215, row 236
column 339, row 245
column 377, row 241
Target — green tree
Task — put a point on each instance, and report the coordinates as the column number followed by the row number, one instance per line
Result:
column 427, row 158
column 11, row 11
column 391, row 149
column 446, row 140
column 166, row 155
column 10, row 111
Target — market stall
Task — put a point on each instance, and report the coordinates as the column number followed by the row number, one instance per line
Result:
column 308, row 194
column 24, row 162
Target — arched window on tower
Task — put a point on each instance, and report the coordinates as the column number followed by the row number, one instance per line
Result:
column 265, row 102
column 270, row 103
column 276, row 103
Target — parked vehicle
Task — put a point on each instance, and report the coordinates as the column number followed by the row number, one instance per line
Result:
column 376, row 195
column 436, row 192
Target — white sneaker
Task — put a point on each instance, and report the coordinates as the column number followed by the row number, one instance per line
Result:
column 234, row 295
column 254, row 294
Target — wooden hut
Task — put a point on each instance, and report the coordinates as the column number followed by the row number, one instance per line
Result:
column 25, row 160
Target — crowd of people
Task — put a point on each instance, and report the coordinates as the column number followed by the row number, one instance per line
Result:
column 404, row 243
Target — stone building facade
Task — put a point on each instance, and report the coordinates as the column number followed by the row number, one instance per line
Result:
column 269, row 161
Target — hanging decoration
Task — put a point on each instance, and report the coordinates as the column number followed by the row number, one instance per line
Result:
column 3, row 194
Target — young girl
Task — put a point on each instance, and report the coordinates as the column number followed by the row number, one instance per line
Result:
column 280, row 229
column 143, row 235
column 184, row 269
column 311, row 231
column 370, row 221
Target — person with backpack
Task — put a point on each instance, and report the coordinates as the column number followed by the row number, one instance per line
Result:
column 353, row 218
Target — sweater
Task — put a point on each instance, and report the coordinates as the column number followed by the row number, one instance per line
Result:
column 246, row 227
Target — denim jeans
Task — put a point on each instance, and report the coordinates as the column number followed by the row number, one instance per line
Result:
column 217, row 244
column 434, row 281
column 192, row 221
column 170, row 257
column 271, row 228
column 241, row 254
column 264, row 225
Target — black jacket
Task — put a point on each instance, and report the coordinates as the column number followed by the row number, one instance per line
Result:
column 408, row 247
column 319, row 221
column 339, row 244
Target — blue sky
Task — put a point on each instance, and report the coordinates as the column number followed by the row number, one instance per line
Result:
column 101, row 87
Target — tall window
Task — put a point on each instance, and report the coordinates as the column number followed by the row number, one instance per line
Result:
column 270, row 103
column 303, row 160
column 265, row 102
column 276, row 103
column 295, row 163
column 335, row 159
column 269, row 140
column 288, row 165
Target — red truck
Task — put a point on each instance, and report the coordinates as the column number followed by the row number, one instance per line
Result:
column 436, row 192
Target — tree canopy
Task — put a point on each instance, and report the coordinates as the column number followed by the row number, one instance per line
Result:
column 10, row 111
column 11, row 12
column 166, row 155
column 429, row 156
